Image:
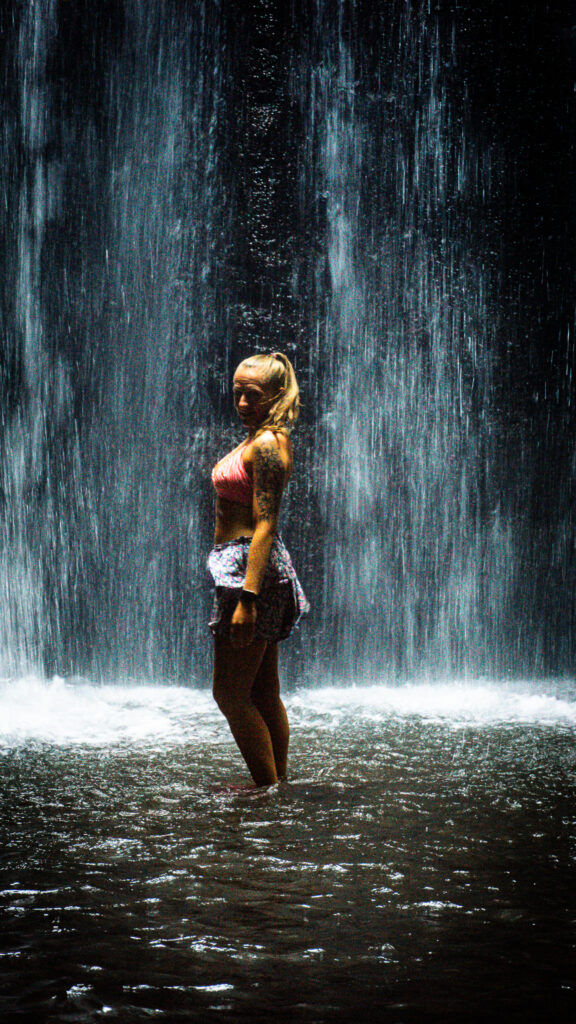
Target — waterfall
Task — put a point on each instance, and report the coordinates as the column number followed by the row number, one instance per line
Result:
column 113, row 249
column 36, row 408
column 185, row 183
column 418, row 563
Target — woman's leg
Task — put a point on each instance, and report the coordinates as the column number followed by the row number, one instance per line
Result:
column 266, row 697
column 235, row 669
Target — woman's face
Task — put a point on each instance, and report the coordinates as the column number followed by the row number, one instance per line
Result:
column 252, row 398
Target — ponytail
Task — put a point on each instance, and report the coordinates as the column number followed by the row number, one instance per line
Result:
column 277, row 372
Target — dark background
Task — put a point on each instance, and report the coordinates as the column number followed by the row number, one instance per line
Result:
column 511, row 86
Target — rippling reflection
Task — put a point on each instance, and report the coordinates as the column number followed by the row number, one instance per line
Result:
column 419, row 866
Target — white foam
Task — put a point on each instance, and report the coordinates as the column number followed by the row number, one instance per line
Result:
column 470, row 703
column 70, row 712
column 65, row 712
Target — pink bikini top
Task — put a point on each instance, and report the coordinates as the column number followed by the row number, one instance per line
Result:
column 230, row 479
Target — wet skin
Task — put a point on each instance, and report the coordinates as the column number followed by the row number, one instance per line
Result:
column 246, row 685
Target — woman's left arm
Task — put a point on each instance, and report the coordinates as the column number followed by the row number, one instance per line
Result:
column 269, row 476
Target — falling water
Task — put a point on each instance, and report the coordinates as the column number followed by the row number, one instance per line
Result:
column 183, row 184
column 179, row 184
column 418, row 558
column 113, row 248
column 38, row 408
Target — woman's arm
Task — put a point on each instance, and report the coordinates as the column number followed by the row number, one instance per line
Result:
column 269, row 474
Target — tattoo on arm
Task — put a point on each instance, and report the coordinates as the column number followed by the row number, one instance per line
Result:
column 268, row 480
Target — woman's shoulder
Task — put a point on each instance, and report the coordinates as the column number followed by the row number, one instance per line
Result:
column 270, row 440
column 271, row 445
column 278, row 438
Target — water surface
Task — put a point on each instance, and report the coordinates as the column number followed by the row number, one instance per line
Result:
column 418, row 865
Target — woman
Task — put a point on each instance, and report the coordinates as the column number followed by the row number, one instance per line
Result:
column 258, row 596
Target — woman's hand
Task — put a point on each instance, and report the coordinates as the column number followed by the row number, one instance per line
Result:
column 243, row 624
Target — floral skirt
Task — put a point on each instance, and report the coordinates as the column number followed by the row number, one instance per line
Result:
column 281, row 601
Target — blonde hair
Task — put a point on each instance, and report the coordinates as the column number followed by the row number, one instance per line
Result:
column 276, row 372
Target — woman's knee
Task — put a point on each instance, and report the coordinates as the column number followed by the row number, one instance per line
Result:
column 229, row 697
column 225, row 698
column 234, row 673
column 268, row 703
column 266, row 685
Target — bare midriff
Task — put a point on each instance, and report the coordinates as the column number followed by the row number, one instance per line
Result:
column 233, row 520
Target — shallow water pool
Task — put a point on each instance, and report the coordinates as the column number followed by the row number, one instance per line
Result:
column 418, row 866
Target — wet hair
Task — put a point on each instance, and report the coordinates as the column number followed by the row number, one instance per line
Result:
column 276, row 372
